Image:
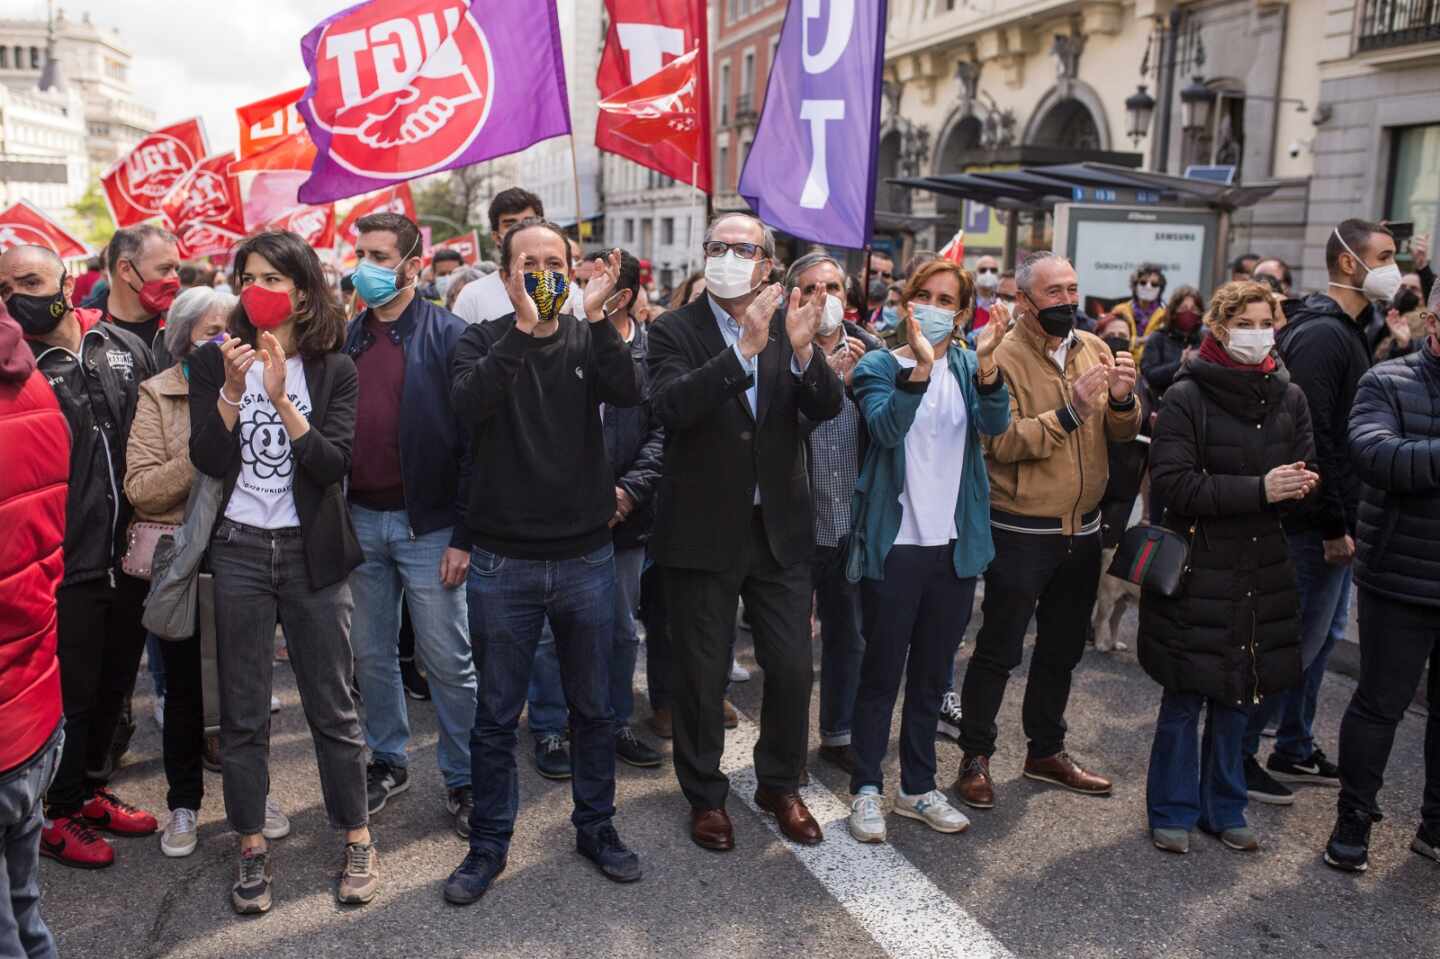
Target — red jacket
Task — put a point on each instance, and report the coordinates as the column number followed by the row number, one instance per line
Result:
column 35, row 448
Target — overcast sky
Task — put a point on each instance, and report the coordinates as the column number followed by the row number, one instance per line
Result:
column 203, row 58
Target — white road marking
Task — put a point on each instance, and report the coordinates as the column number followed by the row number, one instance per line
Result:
column 903, row 911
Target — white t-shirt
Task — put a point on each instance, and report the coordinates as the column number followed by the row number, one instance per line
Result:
column 934, row 460
column 264, row 492
column 485, row 299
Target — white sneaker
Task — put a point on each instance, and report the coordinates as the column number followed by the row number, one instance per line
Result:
column 867, row 818
column 933, row 809
column 160, row 712
column 277, row 825
column 274, row 704
column 738, row 673
column 180, row 836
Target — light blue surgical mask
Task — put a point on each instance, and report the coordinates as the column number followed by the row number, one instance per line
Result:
column 376, row 284
column 936, row 325
column 889, row 317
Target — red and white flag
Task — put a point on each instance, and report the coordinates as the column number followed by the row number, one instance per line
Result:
column 138, row 182
column 466, row 244
column 203, row 209
column 266, row 122
column 645, row 36
column 395, row 199
column 954, row 251
column 24, row 225
column 315, row 224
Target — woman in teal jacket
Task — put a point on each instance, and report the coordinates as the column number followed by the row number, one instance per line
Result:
column 921, row 535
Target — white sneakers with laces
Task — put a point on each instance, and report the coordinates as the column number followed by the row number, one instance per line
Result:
column 180, row 836
column 867, row 818
column 933, row 809
column 277, row 824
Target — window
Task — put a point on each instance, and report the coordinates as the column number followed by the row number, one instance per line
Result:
column 1414, row 189
column 722, row 175
column 34, row 58
column 629, row 230
column 4, row 58
column 744, row 155
column 731, row 10
column 725, row 93
column 747, row 72
column 667, row 231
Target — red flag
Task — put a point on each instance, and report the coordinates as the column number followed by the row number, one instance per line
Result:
column 315, row 224
column 139, row 181
column 266, row 122
column 644, row 36
column 269, row 181
column 661, row 109
column 467, row 244
column 24, row 225
column 203, row 209
column 395, row 199
column 954, row 251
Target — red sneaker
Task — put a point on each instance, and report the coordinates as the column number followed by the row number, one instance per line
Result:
column 70, row 841
column 106, row 812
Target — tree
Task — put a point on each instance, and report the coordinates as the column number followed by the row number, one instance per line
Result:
column 94, row 214
column 450, row 202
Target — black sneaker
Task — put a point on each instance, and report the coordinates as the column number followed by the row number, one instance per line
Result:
column 472, row 878
column 604, row 848
column 461, row 802
column 552, row 756
column 629, row 749
column 382, row 781
column 1315, row 771
column 1260, row 787
column 1426, row 843
column 949, row 723
column 251, row 893
column 414, row 681
column 1349, row 846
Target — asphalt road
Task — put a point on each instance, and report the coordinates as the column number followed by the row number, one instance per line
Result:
column 1044, row 874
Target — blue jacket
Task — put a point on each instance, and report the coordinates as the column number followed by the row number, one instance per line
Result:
column 434, row 454
column 889, row 404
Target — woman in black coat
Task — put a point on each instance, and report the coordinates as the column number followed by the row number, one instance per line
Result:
column 1229, row 452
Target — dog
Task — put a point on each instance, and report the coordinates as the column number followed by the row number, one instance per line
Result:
column 1115, row 596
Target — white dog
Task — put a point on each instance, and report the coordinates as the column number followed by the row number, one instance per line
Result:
column 1115, row 596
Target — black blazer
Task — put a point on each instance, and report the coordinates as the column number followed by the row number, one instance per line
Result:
column 322, row 455
column 716, row 451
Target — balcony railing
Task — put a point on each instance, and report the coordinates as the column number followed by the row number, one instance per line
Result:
column 1398, row 23
column 745, row 109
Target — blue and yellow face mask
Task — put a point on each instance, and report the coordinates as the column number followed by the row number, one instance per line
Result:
column 549, row 290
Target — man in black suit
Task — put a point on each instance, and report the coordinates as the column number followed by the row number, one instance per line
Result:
column 731, row 380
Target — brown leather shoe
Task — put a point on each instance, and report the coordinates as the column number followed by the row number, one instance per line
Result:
column 732, row 718
column 711, row 829
column 796, row 823
column 661, row 724
column 1061, row 770
column 974, row 786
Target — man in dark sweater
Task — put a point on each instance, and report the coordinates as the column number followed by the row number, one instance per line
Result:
column 1324, row 347
column 528, row 388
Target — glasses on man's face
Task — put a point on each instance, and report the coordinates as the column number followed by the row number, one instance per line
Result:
column 1008, row 300
column 746, row 251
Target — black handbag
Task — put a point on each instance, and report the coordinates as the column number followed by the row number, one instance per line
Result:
column 1156, row 558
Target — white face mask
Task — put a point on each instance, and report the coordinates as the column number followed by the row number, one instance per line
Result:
column 989, row 282
column 1250, row 346
column 1146, row 293
column 1381, row 283
column 729, row 277
column 833, row 316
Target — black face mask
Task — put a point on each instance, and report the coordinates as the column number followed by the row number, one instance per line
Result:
column 38, row 315
column 1057, row 320
column 1118, row 344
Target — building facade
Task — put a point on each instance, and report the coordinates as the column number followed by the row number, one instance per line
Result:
column 655, row 218
column 743, row 38
column 1377, row 153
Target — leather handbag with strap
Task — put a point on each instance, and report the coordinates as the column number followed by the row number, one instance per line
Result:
column 170, row 607
column 1154, row 557
column 139, row 558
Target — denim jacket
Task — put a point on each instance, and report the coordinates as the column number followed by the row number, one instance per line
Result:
column 889, row 403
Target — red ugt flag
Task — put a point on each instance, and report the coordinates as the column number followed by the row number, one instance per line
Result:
column 315, row 224
column 396, row 199
column 137, row 184
column 203, row 209
column 644, row 36
column 23, row 225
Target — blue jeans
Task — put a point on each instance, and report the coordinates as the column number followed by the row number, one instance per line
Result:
column 510, row 601
column 402, row 567
column 156, row 663
column 841, row 646
column 22, row 815
column 547, row 695
column 1324, row 616
column 1189, row 786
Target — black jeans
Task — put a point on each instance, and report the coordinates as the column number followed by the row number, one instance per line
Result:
column 702, row 629
column 99, row 645
column 658, row 661
column 184, row 735
column 1396, row 641
column 837, row 602
column 918, row 613
column 1053, row 578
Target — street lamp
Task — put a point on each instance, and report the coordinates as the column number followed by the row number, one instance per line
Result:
column 1197, row 101
column 1140, row 107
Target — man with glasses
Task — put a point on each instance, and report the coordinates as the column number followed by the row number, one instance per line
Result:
column 732, row 376
column 987, row 283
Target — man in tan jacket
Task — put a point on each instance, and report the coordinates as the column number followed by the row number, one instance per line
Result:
column 1069, row 398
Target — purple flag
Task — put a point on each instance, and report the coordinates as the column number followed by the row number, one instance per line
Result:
column 402, row 88
column 811, row 169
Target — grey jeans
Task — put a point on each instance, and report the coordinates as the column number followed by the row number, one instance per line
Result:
column 260, row 574
column 22, row 931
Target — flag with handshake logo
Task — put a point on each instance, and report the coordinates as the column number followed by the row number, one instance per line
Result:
column 402, row 88
column 822, row 104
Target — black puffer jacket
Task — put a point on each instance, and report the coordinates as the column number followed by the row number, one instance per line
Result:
column 1395, row 445
column 1164, row 349
column 1233, row 634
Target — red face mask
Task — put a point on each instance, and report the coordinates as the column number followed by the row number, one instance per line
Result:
column 267, row 309
column 155, row 295
column 1186, row 321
